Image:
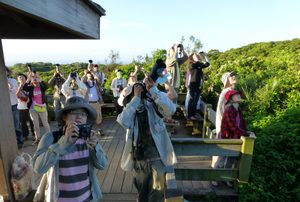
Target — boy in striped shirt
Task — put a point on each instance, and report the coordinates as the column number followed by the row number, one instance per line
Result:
column 69, row 158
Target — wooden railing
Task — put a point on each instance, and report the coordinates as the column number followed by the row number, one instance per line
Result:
column 242, row 149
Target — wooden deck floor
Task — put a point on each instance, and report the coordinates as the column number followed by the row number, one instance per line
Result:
column 117, row 185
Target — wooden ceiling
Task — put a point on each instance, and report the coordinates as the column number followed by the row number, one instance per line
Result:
column 55, row 19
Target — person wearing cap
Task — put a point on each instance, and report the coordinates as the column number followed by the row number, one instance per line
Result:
column 148, row 149
column 233, row 126
column 117, row 85
column 229, row 81
column 57, row 81
column 68, row 158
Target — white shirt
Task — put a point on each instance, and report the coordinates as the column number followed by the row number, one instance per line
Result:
column 93, row 95
column 12, row 88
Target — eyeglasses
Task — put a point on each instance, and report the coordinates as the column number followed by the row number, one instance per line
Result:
column 83, row 114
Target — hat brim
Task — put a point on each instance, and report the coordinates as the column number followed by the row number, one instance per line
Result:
column 92, row 114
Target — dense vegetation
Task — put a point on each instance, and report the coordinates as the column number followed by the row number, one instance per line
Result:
column 269, row 76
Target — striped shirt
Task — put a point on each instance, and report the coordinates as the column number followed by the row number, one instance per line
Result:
column 74, row 183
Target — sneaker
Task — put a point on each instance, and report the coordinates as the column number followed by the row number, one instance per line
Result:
column 215, row 183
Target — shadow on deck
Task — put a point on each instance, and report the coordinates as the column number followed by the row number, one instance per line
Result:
column 117, row 185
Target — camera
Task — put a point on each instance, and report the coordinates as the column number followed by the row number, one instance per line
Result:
column 73, row 75
column 120, row 87
column 157, row 69
column 84, row 131
column 90, row 61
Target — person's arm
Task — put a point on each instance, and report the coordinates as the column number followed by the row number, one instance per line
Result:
column 84, row 77
column 82, row 89
column 12, row 86
column 48, row 153
column 98, row 156
column 165, row 106
column 113, row 86
column 19, row 91
column 52, row 80
column 182, row 59
column 65, row 88
column 126, row 118
column 171, row 91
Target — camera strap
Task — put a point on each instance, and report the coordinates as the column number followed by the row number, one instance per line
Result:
column 148, row 98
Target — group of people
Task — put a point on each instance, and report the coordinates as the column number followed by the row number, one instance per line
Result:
column 28, row 98
column 68, row 158
column 28, row 103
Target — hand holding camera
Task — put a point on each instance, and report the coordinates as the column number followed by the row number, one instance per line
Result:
column 120, row 88
column 73, row 75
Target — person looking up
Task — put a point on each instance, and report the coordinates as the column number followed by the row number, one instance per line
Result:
column 117, row 85
column 68, row 158
column 73, row 86
column 94, row 96
column 23, row 99
column 57, row 81
column 148, row 149
column 196, row 80
column 37, row 103
column 13, row 88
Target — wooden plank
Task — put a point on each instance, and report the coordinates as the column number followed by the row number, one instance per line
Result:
column 203, row 149
column 128, row 182
column 106, row 145
column 111, row 174
column 114, row 197
column 8, row 143
column 110, row 153
column 118, row 180
column 73, row 16
column 206, row 174
column 246, row 159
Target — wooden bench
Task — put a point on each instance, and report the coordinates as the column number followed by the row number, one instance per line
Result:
column 242, row 149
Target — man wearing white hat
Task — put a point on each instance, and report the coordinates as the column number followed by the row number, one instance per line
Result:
column 229, row 80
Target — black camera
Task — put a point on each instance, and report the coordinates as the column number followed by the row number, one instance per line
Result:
column 120, row 87
column 197, row 65
column 90, row 61
column 84, row 131
column 73, row 75
column 157, row 69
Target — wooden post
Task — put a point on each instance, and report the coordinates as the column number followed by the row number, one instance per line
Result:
column 246, row 159
column 8, row 142
column 206, row 120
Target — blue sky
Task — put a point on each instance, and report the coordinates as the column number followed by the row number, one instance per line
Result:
column 138, row 27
